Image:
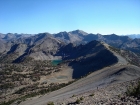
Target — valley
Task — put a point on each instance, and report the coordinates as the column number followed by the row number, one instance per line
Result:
column 40, row 68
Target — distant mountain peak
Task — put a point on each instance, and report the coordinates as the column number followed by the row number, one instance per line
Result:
column 64, row 32
column 78, row 32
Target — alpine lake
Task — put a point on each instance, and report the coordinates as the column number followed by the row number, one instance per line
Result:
column 56, row 62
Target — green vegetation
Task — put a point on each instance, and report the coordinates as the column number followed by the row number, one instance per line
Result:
column 7, row 103
column 6, row 85
column 134, row 91
column 78, row 101
column 50, row 88
column 81, row 98
column 27, row 74
column 119, row 95
column 73, row 95
column 50, row 103
column 91, row 94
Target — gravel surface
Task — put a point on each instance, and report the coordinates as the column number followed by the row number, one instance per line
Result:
column 113, row 94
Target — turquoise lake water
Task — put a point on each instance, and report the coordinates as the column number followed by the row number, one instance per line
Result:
column 56, row 62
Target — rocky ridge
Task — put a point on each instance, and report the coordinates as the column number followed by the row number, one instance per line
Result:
column 114, row 94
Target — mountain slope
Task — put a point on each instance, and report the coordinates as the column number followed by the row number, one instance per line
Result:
column 11, row 36
column 119, row 72
column 39, row 47
column 2, row 46
column 98, row 79
column 78, row 37
column 88, row 58
column 133, row 36
column 46, row 49
column 71, row 37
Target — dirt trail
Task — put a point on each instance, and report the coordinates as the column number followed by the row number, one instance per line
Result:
column 121, row 60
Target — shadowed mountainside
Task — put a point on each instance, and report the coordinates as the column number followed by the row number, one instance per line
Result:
column 88, row 58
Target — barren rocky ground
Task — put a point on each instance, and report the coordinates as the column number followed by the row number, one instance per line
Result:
column 113, row 94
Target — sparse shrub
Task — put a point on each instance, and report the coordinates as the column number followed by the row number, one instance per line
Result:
column 20, row 91
column 7, row 103
column 91, row 94
column 50, row 103
column 134, row 91
column 7, row 85
column 119, row 96
column 73, row 95
column 18, row 102
column 78, row 101
column 81, row 98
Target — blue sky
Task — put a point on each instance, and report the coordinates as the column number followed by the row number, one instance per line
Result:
column 92, row 16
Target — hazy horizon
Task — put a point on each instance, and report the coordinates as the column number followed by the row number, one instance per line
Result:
column 70, row 31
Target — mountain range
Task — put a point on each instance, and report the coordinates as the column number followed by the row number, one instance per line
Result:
column 92, row 60
column 45, row 46
column 133, row 36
